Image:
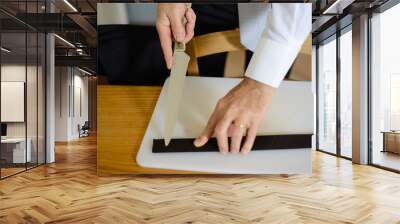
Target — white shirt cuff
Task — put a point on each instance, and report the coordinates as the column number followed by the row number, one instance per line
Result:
column 271, row 61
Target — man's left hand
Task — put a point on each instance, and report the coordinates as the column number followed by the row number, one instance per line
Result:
column 236, row 115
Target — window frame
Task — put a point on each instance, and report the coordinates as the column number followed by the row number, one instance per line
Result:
column 334, row 37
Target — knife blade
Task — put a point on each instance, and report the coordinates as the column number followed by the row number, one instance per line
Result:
column 175, row 86
column 175, row 89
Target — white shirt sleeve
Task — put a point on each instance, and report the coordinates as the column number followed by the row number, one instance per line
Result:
column 287, row 27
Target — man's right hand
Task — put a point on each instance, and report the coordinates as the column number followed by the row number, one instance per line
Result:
column 170, row 26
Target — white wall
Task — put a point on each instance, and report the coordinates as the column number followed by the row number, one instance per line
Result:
column 12, row 73
column 80, row 109
column 33, row 126
column 16, row 72
column 143, row 14
column 70, row 83
column 82, row 82
column 62, row 81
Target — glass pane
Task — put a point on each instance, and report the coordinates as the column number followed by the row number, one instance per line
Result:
column 31, row 100
column 32, row 85
column 346, row 94
column 13, row 88
column 327, row 96
column 394, row 101
column 41, row 98
column 23, row 88
column 386, row 89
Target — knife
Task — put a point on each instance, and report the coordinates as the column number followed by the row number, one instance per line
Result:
column 175, row 88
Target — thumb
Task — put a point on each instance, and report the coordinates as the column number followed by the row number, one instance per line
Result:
column 206, row 134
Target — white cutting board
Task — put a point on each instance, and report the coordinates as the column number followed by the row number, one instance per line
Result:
column 290, row 112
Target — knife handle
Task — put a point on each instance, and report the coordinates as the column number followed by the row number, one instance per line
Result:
column 178, row 45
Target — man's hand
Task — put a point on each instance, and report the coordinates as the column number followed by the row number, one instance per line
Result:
column 170, row 26
column 238, row 112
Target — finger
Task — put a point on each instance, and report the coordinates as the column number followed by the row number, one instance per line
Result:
column 191, row 21
column 221, row 132
column 236, row 138
column 207, row 132
column 230, row 130
column 249, row 141
column 178, row 27
column 164, row 32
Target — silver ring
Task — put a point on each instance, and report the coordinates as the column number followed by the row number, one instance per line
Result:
column 240, row 125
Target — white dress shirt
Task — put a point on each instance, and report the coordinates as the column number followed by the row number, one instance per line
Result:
column 275, row 33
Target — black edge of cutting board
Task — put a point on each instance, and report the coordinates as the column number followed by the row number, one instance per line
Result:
column 266, row 142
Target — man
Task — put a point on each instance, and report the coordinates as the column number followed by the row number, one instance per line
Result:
column 275, row 33
column 126, row 58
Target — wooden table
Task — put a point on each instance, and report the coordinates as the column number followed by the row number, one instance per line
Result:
column 123, row 115
column 391, row 141
column 15, row 152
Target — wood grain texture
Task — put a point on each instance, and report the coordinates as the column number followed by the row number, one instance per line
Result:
column 70, row 191
column 123, row 115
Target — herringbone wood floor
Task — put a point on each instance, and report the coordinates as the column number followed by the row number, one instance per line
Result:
column 69, row 191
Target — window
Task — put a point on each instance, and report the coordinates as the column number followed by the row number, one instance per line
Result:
column 334, row 106
column 346, row 93
column 395, row 102
column 385, row 89
column 327, row 96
